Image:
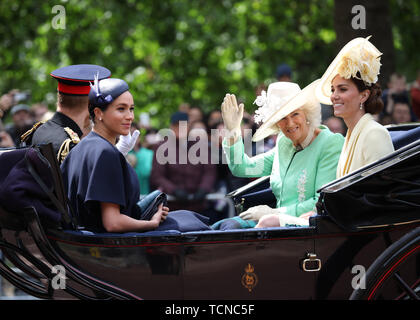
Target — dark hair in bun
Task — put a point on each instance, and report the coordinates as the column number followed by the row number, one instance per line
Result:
column 374, row 103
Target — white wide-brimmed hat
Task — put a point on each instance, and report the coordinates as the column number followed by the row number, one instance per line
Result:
column 359, row 59
column 281, row 99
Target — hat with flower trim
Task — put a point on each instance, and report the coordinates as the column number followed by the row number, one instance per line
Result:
column 281, row 99
column 358, row 59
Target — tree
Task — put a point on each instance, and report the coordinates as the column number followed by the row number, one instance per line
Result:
column 405, row 19
column 177, row 51
column 349, row 18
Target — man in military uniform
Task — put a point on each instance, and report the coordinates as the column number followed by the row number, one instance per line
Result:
column 71, row 120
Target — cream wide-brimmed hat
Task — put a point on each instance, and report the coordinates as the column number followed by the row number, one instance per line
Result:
column 281, row 99
column 359, row 59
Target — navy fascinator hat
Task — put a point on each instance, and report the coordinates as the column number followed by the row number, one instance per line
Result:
column 103, row 92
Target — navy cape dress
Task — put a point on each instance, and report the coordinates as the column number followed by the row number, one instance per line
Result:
column 95, row 171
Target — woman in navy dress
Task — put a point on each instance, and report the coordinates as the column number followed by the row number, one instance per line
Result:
column 102, row 187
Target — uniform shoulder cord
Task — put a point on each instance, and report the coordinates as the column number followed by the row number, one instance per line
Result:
column 31, row 131
column 65, row 146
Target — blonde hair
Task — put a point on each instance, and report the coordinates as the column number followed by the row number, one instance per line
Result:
column 313, row 114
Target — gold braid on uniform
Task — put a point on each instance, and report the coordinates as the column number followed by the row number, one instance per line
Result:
column 31, row 131
column 65, row 146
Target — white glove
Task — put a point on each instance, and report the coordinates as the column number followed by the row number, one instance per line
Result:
column 255, row 213
column 285, row 219
column 232, row 115
column 126, row 143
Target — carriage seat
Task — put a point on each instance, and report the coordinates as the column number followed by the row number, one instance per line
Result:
column 401, row 138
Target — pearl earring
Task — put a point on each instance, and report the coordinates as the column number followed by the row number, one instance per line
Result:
column 361, row 105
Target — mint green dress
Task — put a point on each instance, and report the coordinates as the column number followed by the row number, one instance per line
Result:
column 294, row 176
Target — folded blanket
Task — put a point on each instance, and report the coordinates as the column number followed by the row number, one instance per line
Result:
column 184, row 221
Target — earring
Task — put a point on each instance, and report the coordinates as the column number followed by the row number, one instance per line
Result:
column 307, row 122
column 361, row 105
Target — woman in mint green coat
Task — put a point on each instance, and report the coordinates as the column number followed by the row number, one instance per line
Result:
column 304, row 158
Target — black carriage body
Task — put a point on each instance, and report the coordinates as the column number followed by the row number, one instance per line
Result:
column 325, row 260
column 251, row 264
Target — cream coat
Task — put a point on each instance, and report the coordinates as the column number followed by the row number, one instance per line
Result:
column 368, row 142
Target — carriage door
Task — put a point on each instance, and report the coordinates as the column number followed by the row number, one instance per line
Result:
column 286, row 265
column 275, row 264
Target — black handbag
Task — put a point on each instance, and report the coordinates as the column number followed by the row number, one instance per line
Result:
column 252, row 194
column 150, row 203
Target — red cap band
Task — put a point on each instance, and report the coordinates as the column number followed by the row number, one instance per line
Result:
column 65, row 88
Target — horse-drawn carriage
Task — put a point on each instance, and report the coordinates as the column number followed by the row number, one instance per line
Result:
column 364, row 242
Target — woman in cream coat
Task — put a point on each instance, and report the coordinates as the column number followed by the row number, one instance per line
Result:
column 350, row 85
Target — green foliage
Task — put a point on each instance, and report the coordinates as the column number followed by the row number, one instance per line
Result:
column 171, row 52
column 405, row 17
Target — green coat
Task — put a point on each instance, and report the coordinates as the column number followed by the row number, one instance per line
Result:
column 295, row 176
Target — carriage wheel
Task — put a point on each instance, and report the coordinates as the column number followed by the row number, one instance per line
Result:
column 395, row 274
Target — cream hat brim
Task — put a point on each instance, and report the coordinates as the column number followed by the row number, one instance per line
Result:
column 323, row 90
column 306, row 97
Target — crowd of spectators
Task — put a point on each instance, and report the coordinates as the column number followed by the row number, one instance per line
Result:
column 187, row 162
column 17, row 116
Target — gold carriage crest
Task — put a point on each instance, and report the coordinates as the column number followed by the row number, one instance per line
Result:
column 249, row 279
